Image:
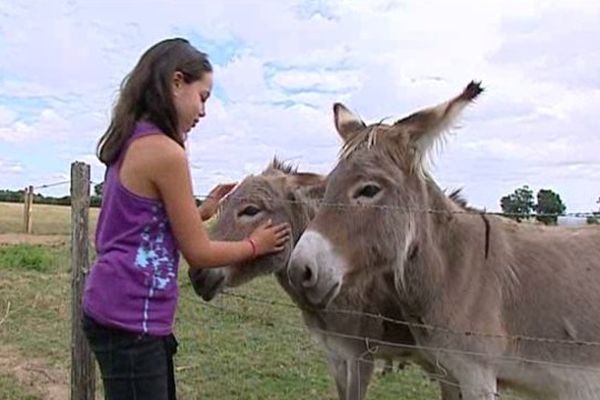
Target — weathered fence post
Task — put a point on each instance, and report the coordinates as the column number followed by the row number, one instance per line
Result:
column 25, row 203
column 29, row 209
column 83, row 382
column 27, row 206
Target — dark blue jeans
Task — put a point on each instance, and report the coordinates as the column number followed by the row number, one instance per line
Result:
column 133, row 366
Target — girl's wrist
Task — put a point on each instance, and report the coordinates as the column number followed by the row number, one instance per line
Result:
column 253, row 247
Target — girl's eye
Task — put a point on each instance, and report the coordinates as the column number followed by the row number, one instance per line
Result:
column 249, row 211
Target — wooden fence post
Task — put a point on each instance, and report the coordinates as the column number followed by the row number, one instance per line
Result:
column 29, row 209
column 25, row 208
column 83, row 378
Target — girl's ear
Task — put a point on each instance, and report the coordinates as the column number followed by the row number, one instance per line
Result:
column 177, row 82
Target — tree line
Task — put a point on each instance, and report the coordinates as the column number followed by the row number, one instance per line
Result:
column 18, row 196
column 546, row 207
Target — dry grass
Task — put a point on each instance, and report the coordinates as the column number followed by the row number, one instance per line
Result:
column 47, row 219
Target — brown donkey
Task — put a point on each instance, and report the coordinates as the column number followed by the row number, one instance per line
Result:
column 476, row 289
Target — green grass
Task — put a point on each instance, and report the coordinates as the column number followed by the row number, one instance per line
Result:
column 251, row 351
column 25, row 257
column 38, row 320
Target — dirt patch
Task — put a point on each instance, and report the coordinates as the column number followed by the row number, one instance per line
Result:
column 49, row 382
column 22, row 238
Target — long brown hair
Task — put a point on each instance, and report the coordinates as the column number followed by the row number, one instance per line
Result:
column 146, row 93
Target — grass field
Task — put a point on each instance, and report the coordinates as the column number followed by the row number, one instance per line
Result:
column 248, row 351
column 47, row 220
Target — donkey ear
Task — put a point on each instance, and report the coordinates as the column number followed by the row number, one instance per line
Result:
column 425, row 127
column 316, row 192
column 304, row 179
column 306, row 186
column 346, row 122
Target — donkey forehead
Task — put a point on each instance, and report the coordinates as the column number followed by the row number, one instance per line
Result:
column 370, row 163
column 378, row 141
column 263, row 188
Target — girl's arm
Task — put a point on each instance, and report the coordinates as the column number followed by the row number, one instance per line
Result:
column 171, row 175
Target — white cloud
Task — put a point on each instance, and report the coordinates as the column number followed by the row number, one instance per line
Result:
column 47, row 124
column 7, row 116
column 10, row 167
column 328, row 81
column 243, row 79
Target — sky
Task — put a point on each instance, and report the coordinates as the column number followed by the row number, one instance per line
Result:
column 279, row 67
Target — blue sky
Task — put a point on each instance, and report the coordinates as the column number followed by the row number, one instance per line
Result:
column 279, row 66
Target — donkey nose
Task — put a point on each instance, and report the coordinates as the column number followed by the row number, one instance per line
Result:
column 303, row 273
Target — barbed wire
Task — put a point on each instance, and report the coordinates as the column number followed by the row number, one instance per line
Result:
column 49, row 185
column 59, row 183
column 408, row 210
column 436, row 350
column 366, row 339
column 443, row 378
column 294, row 328
column 576, row 215
column 409, row 324
column 372, row 344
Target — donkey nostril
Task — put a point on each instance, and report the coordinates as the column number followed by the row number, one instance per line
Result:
column 307, row 274
column 309, row 277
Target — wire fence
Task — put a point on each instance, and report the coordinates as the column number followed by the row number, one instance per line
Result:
column 271, row 321
column 373, row 347
column 394, row 208
column 59, row 183
column 54, row 184
column 428, row 327
column 407, row 210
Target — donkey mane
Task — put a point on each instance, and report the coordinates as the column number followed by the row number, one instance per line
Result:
column 366, row 138
column 457, row 197
column 282, row 166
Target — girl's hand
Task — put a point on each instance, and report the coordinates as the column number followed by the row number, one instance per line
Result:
column 211, row 204
column 269, row 238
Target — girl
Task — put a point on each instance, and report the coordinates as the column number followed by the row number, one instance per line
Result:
column 148, row 216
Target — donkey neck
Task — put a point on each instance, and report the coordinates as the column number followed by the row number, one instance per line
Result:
column 302, row 212
column 425, row 266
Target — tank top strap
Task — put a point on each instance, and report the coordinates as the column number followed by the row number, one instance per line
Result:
column 141, row 128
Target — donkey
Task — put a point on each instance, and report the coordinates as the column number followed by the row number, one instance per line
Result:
column 495, row 302
column 285, row 195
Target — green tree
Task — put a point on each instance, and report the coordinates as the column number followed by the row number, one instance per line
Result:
column 98, row 189
column 549, row 202
column 519, row 204
column 594, row 219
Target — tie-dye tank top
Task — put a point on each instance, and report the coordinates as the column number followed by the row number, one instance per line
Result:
column 133, row 282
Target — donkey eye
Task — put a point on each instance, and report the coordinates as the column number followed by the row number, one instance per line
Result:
column 249, row 211
column 367, row 191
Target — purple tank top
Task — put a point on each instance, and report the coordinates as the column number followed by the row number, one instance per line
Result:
column 133, row 283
